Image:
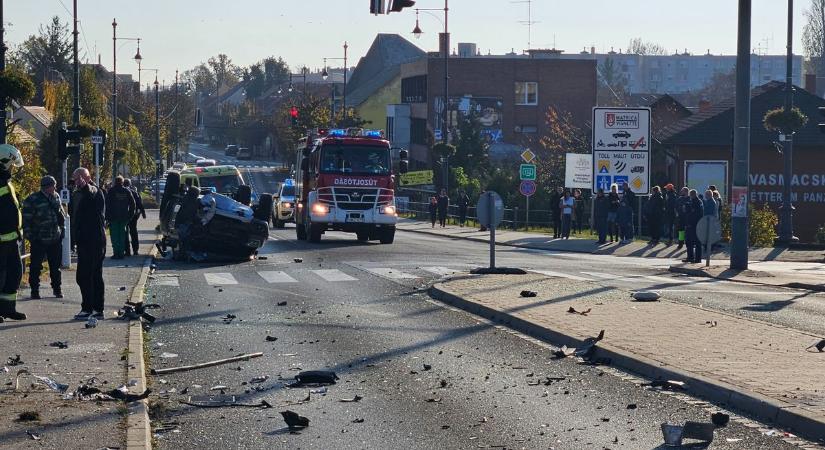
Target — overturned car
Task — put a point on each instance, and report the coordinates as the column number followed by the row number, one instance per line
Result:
column 198, row 222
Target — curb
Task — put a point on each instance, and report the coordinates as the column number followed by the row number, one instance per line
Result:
column 138, row 426
column 765, row 408
column 701, row 273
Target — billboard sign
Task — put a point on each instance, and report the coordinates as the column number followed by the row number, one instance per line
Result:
column 621, row 148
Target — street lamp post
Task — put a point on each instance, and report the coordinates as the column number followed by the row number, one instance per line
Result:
column 445, row 43
column 158, row 171
column 786, row 212
column 2, row 68
column 325, row 74
column 741, row 137
column 137, row 58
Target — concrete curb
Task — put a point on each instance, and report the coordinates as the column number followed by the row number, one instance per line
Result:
column 138, row 426
column 695, row 272
column 765, row 408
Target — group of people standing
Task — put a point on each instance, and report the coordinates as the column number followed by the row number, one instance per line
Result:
column 613, row 214
column 568, row 212
column 440, row 206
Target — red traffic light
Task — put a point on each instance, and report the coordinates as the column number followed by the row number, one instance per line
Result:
column 398, row 5
column 293, row 112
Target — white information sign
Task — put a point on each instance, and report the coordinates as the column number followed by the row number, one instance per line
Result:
column 621, row 148
column 578, row 171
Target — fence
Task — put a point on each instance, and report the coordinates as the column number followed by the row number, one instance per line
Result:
column 514, row 218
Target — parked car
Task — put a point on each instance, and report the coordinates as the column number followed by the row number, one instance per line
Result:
column 284, row 210
column 244, row 153
column 231, row 150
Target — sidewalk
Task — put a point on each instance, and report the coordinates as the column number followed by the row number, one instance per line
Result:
column 751, row 366
column 98, row 352
column 638, row 249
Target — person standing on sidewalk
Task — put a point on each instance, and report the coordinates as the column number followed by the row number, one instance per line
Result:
column 695, row 211
column 433, row 210
column 630, row 197
column 655, row 213
column 670, row 213
column 43, row 226
column 624, row 219
column 601, row 207
column 132, row 234
column 11, row 269
column 120, row 209
column 88, row 225
column 463, row 204
column 555, row 211
column 613, row 211
column 578, row 211
column 443, row 207
column 566, row 205
column 682, row 210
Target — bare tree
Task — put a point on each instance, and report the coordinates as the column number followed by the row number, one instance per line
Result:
column 813, row 37
column 639, row 47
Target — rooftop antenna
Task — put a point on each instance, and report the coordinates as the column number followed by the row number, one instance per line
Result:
column 529, row 22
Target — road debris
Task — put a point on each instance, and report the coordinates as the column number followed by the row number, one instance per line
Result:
column 631, row 406
column 528, row 293
column 167, row 355
column 92, row 323
column 281, row 303
column 698, row 430
column 315, row 377
column 260, row 379
column 672, row 435
column 427, row 367
column 271, row 339
column 719, row 419
column 222, row 401
column 136, row 311
column 242, row 357
column 355, row 399
column 33, row 436
column 646, row 296
column 358, row 420
column 667, row 385
column 294, row 420
column 321, row 390
column 229, row 318
column 711, row 323
column 563, row 352
column 219, row 387
column 59, row 344
column 819, row 346
column 572, row 310
column 14, row 361
column 589, row 346
column 298, row 260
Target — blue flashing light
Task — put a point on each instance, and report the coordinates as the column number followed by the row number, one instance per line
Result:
column 337, row 132
column 373, row 133
column 289, row 182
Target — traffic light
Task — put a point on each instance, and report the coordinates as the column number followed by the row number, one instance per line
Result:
column 820, row 124
column 293, row 114
column 65, row 137
column 99, row 145
column 398, row 5
column 377, row 7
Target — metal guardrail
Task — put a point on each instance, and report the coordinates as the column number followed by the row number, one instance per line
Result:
column 514, row 218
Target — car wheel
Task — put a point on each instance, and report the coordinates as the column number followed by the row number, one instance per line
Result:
column 387, row 236
column 264, row 210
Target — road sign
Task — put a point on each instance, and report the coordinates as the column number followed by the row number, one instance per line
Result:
column 621, row 148
column 487, row 216
column 527, row 172
column 97, row 139
column 528, row 156
column 527, row 188
column 578, row 171
column 417, row 178
column 709, row 229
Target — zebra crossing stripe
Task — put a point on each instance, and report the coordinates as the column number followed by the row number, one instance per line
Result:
column 604, row 276
column 276, row 276
column 441, row 270
column 220, row 278
column 166, row 281
column 551, row 273
column 333, row 275
column 394, row 274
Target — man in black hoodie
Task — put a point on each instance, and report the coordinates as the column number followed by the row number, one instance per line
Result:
column 89, row 232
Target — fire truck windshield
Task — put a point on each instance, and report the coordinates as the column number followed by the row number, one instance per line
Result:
column 356, row 160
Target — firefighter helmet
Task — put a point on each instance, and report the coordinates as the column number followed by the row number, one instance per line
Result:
column 10, row 157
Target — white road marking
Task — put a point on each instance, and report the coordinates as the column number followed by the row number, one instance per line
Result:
column 220, row 278
column 276, row 276
column 604, row 276
column 719, row 291
column 166, row 281
column 334, row 275
column 551, row 273
column 670, row 280
column 441, row 270
column 391, row 273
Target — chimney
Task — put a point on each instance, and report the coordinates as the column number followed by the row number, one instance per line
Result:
column 810, row 83
column 704, row 106
column 98, row 60
column 592, row 49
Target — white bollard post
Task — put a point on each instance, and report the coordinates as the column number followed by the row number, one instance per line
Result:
column 65, row 195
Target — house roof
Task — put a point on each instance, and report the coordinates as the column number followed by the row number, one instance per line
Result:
column 23, row 137
column 41, row 114
column 714, row 127
column 381, row 64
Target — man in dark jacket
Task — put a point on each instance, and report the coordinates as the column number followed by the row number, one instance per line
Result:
column 132, row 234
column 695, row 211
column 670, row 213
column 601, row 207
column 463, row 204
column 555, row 211
column 120, row 209
column 443, row 207
column 629, row 197
column 88, row 228
column 682, row 209
column 655, row 211
column 43, row 224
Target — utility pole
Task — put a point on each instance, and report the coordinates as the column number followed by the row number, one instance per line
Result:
column 174, row 156
column 346, row 46
column 114, row 93
column 2, row 69
column 786, row 212
column 741, row 138
column 76, row 89
column 158, row 171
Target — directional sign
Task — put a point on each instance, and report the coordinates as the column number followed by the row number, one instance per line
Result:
column 487, row 216
column 621, row 148
column 527, row 172
column 527, row 188
column 97, row 139
column 528, row 156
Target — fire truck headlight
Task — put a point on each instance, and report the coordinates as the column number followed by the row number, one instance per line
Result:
column 287, row 204
column 320, row 209
column 388, row 210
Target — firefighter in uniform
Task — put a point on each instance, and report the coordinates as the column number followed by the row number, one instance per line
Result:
column 11, row 268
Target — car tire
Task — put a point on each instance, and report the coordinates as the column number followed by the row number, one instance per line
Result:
column 264, row 210
column 363, row 236
column 387, row 236
column 314, row 233
column 300, row 230
column 244, row 194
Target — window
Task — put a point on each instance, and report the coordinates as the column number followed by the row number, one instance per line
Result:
column 418, row 131
column 527, row 93
column 414, row 89
column 390, row 128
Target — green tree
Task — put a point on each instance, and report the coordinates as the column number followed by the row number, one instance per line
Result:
column 470, row 145
column 226, row 74
column 276, row 71
column 47, row 52
column 202, row 78
column 639, row 47
column 255, row 81
column 813, row 37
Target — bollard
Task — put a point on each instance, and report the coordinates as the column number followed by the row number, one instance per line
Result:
column 67, row 244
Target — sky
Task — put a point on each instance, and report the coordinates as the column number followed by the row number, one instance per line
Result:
column 179, row 34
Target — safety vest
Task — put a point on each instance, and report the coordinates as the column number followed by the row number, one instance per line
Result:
column 8, row 189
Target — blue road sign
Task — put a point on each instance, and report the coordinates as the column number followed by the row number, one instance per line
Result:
column 619, row 179
column 603, row 182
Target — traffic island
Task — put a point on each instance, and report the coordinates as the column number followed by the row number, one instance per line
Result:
column 760, row 369
column 774, row 279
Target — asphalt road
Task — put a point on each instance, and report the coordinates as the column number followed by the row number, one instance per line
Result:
column 263, row 176
column 362, row 311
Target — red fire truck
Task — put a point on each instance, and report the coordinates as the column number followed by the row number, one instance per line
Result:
column 346, row 182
